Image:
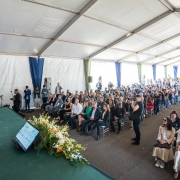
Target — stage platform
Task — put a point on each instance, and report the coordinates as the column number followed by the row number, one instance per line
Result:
column 18, row 165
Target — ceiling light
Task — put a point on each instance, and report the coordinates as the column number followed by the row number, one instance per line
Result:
column 129, row 34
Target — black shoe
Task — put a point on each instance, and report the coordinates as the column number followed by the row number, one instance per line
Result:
column 82, row 133
column 112, row 130
column 133, row 139
column 98, row 137
column 135, row 143
column 118, row 132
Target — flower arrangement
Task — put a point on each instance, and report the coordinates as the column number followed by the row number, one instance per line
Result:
column 56, row 140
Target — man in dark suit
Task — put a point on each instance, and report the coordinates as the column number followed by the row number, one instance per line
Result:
column 17, row 99
column 95, row 115
column 119, row 115
column 63, row 96
column 27, row 93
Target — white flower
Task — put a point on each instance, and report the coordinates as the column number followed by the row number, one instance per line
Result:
column 68, row 149
column 59, row 135
column 74, row 156
column 61, row 141
column 56, row 146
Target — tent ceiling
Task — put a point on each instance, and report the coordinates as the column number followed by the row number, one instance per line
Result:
column 139, row 31
column 16, row 44
column 164, row 28
column 72, row 50
column 85, row 31
column 75, row 5
column 175, row 3
column 138, row 58
column 171, row 61
column 135, row 43
column 156, row 60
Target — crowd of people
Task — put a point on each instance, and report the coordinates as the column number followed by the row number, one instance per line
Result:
column 87, row 111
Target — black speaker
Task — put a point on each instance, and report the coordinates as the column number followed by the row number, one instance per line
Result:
column 90, row 79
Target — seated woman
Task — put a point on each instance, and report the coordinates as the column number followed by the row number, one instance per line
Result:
column 104, row 121
column 66, row 108
column 177, row 156
column 150, row 103
column 85, row 114
column 112, row 110
column 166, row 135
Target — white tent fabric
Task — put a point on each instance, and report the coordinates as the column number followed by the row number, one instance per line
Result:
column 147, row 72
column 104, row 69
column 15, row 73
column 170, row 72
column 129, row 74
column 70, row 73
column 160, row 73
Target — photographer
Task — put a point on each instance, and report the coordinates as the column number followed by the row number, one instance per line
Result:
column 17, row 100
column 138, row 109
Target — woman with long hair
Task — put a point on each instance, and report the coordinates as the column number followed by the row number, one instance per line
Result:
column 104, row 121
column 165, row 136
column 67, row 108
column 84, row 115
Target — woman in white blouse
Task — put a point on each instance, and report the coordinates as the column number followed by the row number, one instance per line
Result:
column 166, row 135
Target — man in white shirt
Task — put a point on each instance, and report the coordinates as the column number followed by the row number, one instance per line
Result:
column 76, row 110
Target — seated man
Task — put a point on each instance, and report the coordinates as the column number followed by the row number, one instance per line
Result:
column 129, row 109
column 51, row 103
column 58, row 105
column 76, row 110
column 119, row 115
column 101, row 103
column 95, row 115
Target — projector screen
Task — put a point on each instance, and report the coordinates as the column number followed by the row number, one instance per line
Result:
column 26, row 136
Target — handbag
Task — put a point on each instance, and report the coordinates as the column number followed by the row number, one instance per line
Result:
column 132, row 116
column 158, row 144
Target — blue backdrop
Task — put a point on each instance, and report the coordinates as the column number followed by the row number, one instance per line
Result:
column 118, row 73
column 36, row 68
column 175, row 71
column 154, row 71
